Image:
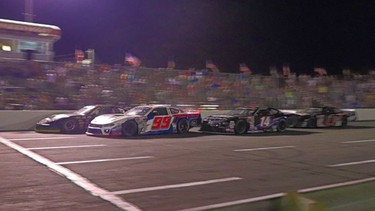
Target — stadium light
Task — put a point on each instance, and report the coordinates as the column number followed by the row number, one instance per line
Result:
column 29, row 15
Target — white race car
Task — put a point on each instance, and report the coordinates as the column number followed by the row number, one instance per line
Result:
column 149, row 119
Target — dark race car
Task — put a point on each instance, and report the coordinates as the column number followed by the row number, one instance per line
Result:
column 242, row 120
column 145, row 120
column 321, row 117
column 77, row 121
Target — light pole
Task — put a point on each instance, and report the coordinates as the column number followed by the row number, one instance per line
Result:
column 29, row 15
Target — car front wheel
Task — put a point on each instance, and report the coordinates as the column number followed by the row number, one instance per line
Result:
column 344, row 122
column 69, row 126
column 130, row 128
column 281, row 127
column 311, row 123
column 240, row 127
column 182, row 126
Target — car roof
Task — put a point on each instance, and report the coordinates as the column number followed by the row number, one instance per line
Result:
column 248, row 107
column 156, row 106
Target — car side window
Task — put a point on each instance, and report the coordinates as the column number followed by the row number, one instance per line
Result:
column 106, row 110
column 174, row 111
column 159, row 111
column 96, row 112
column 327, row 110
column 116, row 110
column 263, row 112
column 273, row 111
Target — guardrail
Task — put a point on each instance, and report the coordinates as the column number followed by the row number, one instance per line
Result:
column 13, row 120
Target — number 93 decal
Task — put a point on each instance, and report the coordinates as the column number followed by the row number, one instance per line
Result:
column 161, row 123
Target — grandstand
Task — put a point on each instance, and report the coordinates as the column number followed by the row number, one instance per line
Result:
column 51, row 85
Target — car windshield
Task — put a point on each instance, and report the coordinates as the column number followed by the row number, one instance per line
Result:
column 140, row 110
column 247, row 111
column 311, row 110
column 85, row 110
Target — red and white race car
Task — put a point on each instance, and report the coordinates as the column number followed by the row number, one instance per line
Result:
column 147, row 119
column 321, row 117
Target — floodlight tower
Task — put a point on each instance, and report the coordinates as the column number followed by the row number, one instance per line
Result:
column 29, row 15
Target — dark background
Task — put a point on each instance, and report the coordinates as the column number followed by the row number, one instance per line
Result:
column 303, row 34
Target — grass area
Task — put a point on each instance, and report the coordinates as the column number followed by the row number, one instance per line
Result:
column 360, row 197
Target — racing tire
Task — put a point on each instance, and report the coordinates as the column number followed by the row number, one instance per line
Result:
column 193, row 123
column 311, row 123
column 240, row 127
column 69, row 126
column 182, row 126
column 281, row 127
column 292, row 121
column 344, row 122
column 129, row 128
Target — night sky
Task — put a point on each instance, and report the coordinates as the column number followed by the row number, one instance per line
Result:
column 304, row 34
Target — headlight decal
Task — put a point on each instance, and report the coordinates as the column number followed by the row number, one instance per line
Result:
column 45, row 121
column 109, row 125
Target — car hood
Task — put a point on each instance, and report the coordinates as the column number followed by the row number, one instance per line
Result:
column 56, row 117
column 288, row 112
column 111, row 118
column 304, row 113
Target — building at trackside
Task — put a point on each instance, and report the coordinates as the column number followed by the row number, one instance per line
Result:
column 27, row 41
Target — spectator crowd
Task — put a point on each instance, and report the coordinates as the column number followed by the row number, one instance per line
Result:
column 59, row 86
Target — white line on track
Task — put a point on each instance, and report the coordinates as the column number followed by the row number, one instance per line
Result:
column 40, row 138
column 337, row 185
column 66, row 147
column 176, row 185
column 77, row 179
column 103, row 160
column 263, row 148
column 277, row 195
column 352, row 163
column 233, row 203
column 359, row 141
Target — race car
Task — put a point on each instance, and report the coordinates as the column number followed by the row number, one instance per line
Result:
column 326, row 116
column 145, row 120
column 77, row 121
column 243, row 120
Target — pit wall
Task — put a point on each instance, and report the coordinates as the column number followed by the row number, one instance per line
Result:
column 16, row 120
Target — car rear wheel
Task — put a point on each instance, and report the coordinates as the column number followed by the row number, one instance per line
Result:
column 240, row 127
column 130, row 128
column 344, row 122
column 182, row 126
column 281, row 127
column 69, row 126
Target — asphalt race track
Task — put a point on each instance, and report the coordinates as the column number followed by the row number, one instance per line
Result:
column 173, row 172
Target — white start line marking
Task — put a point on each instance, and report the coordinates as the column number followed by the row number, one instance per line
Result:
column 352, row 163
column 358, row 141
column 263, row 148
column 66, row 147
column 103, row 160
column 176, row 185
column 40, row 138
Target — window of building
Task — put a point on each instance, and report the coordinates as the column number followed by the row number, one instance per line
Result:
column 37, row 47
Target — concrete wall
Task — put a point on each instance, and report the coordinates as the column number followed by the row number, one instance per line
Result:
column 13, row 120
